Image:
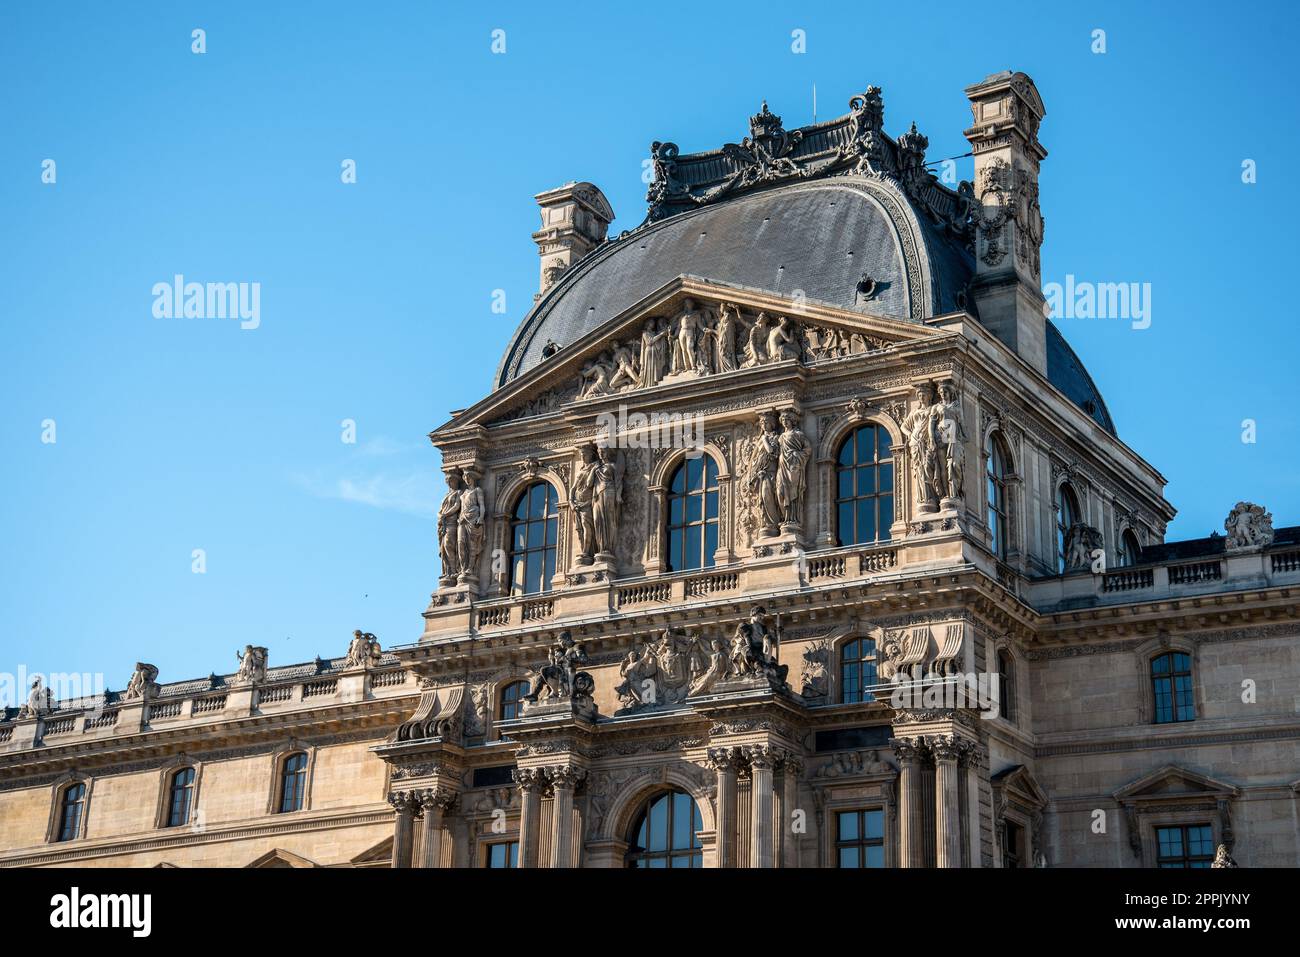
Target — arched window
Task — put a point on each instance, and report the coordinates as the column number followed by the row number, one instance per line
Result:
column 180, row 797
column 293, row 782
column 512, row 699
column 533, row 534
column 1006, row 686
column 1171, row 683
column 857, row 669
column 1067, row 514
column 864, row 497
column 72, row 803
column 996, row 496
column 1129, row 548
column 666, row 833
column 693, row 514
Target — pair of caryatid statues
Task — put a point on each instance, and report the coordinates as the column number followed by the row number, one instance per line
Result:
column 461, row 527
column 598, row 502
column 694, row 342
column 936, row 443
column 777, row 473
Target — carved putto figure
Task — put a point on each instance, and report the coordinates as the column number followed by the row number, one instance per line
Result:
column 448, row 526
column 363, row 650
column 39, row 700
column 660, row 672
column 143, row 683
column 560, row 680
column 755, row 648
column 252, row 664
column 470, row 527
column 1248, row 526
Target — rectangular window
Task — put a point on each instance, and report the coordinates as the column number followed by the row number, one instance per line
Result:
column 860, row 838
column 1013, row 845
column 503, row 855
column 1190, row 845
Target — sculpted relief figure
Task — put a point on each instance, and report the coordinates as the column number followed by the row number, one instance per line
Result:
column 626, row 373
column 448, row 526
column 950, row 437
column 363, row 650
column 607, row 501
column 782, row 343
column 755, row 648
column 584, row 491
column 470, row 527
column 1248, row 526
column 763, row 470
column 796, row 450
column 252, row 664
column 686, row 354
column 724, row 338
column 922, row 448
column 143, row 683
column 594, row 378
column 755, row 350
column 560, row 680
column 654, row 352
column 776, row 473
column 1081, row 541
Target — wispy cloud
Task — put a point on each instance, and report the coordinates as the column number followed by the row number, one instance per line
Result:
column 414, row 490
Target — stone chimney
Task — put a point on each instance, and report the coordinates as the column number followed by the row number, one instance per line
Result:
column 1007, row 288
column 575, row 219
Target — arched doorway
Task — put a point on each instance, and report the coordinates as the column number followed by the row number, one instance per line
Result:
column 666, row 833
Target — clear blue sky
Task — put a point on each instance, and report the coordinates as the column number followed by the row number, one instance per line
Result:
column 375, row 297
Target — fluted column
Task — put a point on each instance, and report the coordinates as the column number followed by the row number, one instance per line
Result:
column 531, row 781
column 435, row 802
column 762, row 760
column 793, row 772
column 404, row 803
column 726, row 761
column 911, row 842
column 947, row 828
column 564, row 781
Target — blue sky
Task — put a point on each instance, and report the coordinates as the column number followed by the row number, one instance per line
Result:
column 376, row 297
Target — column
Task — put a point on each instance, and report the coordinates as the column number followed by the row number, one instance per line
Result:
column 531, row 781
column 762, row 759
column 725, row 762
column 947, row 829
column 564, row 781
column 790, row 841
column 435, row 802
column 910, row 839
column 404, row 804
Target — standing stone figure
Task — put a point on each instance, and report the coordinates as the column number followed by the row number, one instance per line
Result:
column 584, row 488
column 143, row 683
column 918, row 427
column 754, row 354
column 448, row 524
column 39, row 700
column 607, row 499
column 951, row 435
column 796, row 450
column 684, row 348
column 654, row 352
column 724, row 339
column 763, row 470
column 470, row 526
column 252, row 664
column 363, row 650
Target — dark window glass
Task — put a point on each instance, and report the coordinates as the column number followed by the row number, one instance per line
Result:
column 1191, row 845
column 534, row 530
column 857, row 670
column 693, row 514
column 667, row 833
column 1171, row 683
column 1006, row 686
column 860, row 838
column 1129, row 549
column 503, row 855
column 71, row 804
column 996, row 497
column 864, row 489
column 293, row 782
column 1067, row 514
column 512, row 699
column 1013, row 845
column 181, row 795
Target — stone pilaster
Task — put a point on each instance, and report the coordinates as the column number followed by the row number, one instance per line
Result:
column 792, row 772
column 405, row 804
column 435, row 803
column 726, row 762
column 532, row 782
column 564, row 781
column 762, row 762
column 911, row 840
column 947, row 824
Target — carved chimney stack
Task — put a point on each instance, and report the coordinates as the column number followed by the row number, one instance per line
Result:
column 575, row 219
column 1007, row 288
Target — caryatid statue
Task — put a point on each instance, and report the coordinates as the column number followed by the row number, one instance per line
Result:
column 607, row 500
column 470, row 527
column 951, row 436
column 448, row 529
column 796, row 450
column 584, row 491
column 918, row 426
column 763, row 471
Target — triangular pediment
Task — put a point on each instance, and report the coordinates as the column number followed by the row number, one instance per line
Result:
column 588, row 369
column 379, row 855
column 1019, row 780
column 1174, row 783
column 279, row 857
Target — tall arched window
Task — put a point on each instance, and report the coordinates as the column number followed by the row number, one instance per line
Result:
column 996, row 496
column 293, row 782
column 1006, row 686
column 857, row 669
column 693, row 514
column 864, row 496
column 1067, row 514
column 666, row 834
column 1171, row 684
column 512, row 699
column 72, row 803
column 1129, row 548
column 180, row 796
column 533, row 534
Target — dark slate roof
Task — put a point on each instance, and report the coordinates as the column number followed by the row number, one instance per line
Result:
column 1066, row 372
column 1207, row 547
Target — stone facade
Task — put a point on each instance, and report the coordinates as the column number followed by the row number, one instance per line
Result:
column 976, row 680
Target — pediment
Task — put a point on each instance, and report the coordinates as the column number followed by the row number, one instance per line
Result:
column 1174, row 783
column 279, row 857
column 1020, row 781
column 380, row 854
column 592, row 368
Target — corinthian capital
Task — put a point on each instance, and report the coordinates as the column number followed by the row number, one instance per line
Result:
column 530, row 779
column 403, row 801
column 566, row 776
column 946, row 747
column 725, row 759
column 440, row 797
column 908, row 750
column 763, row 757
